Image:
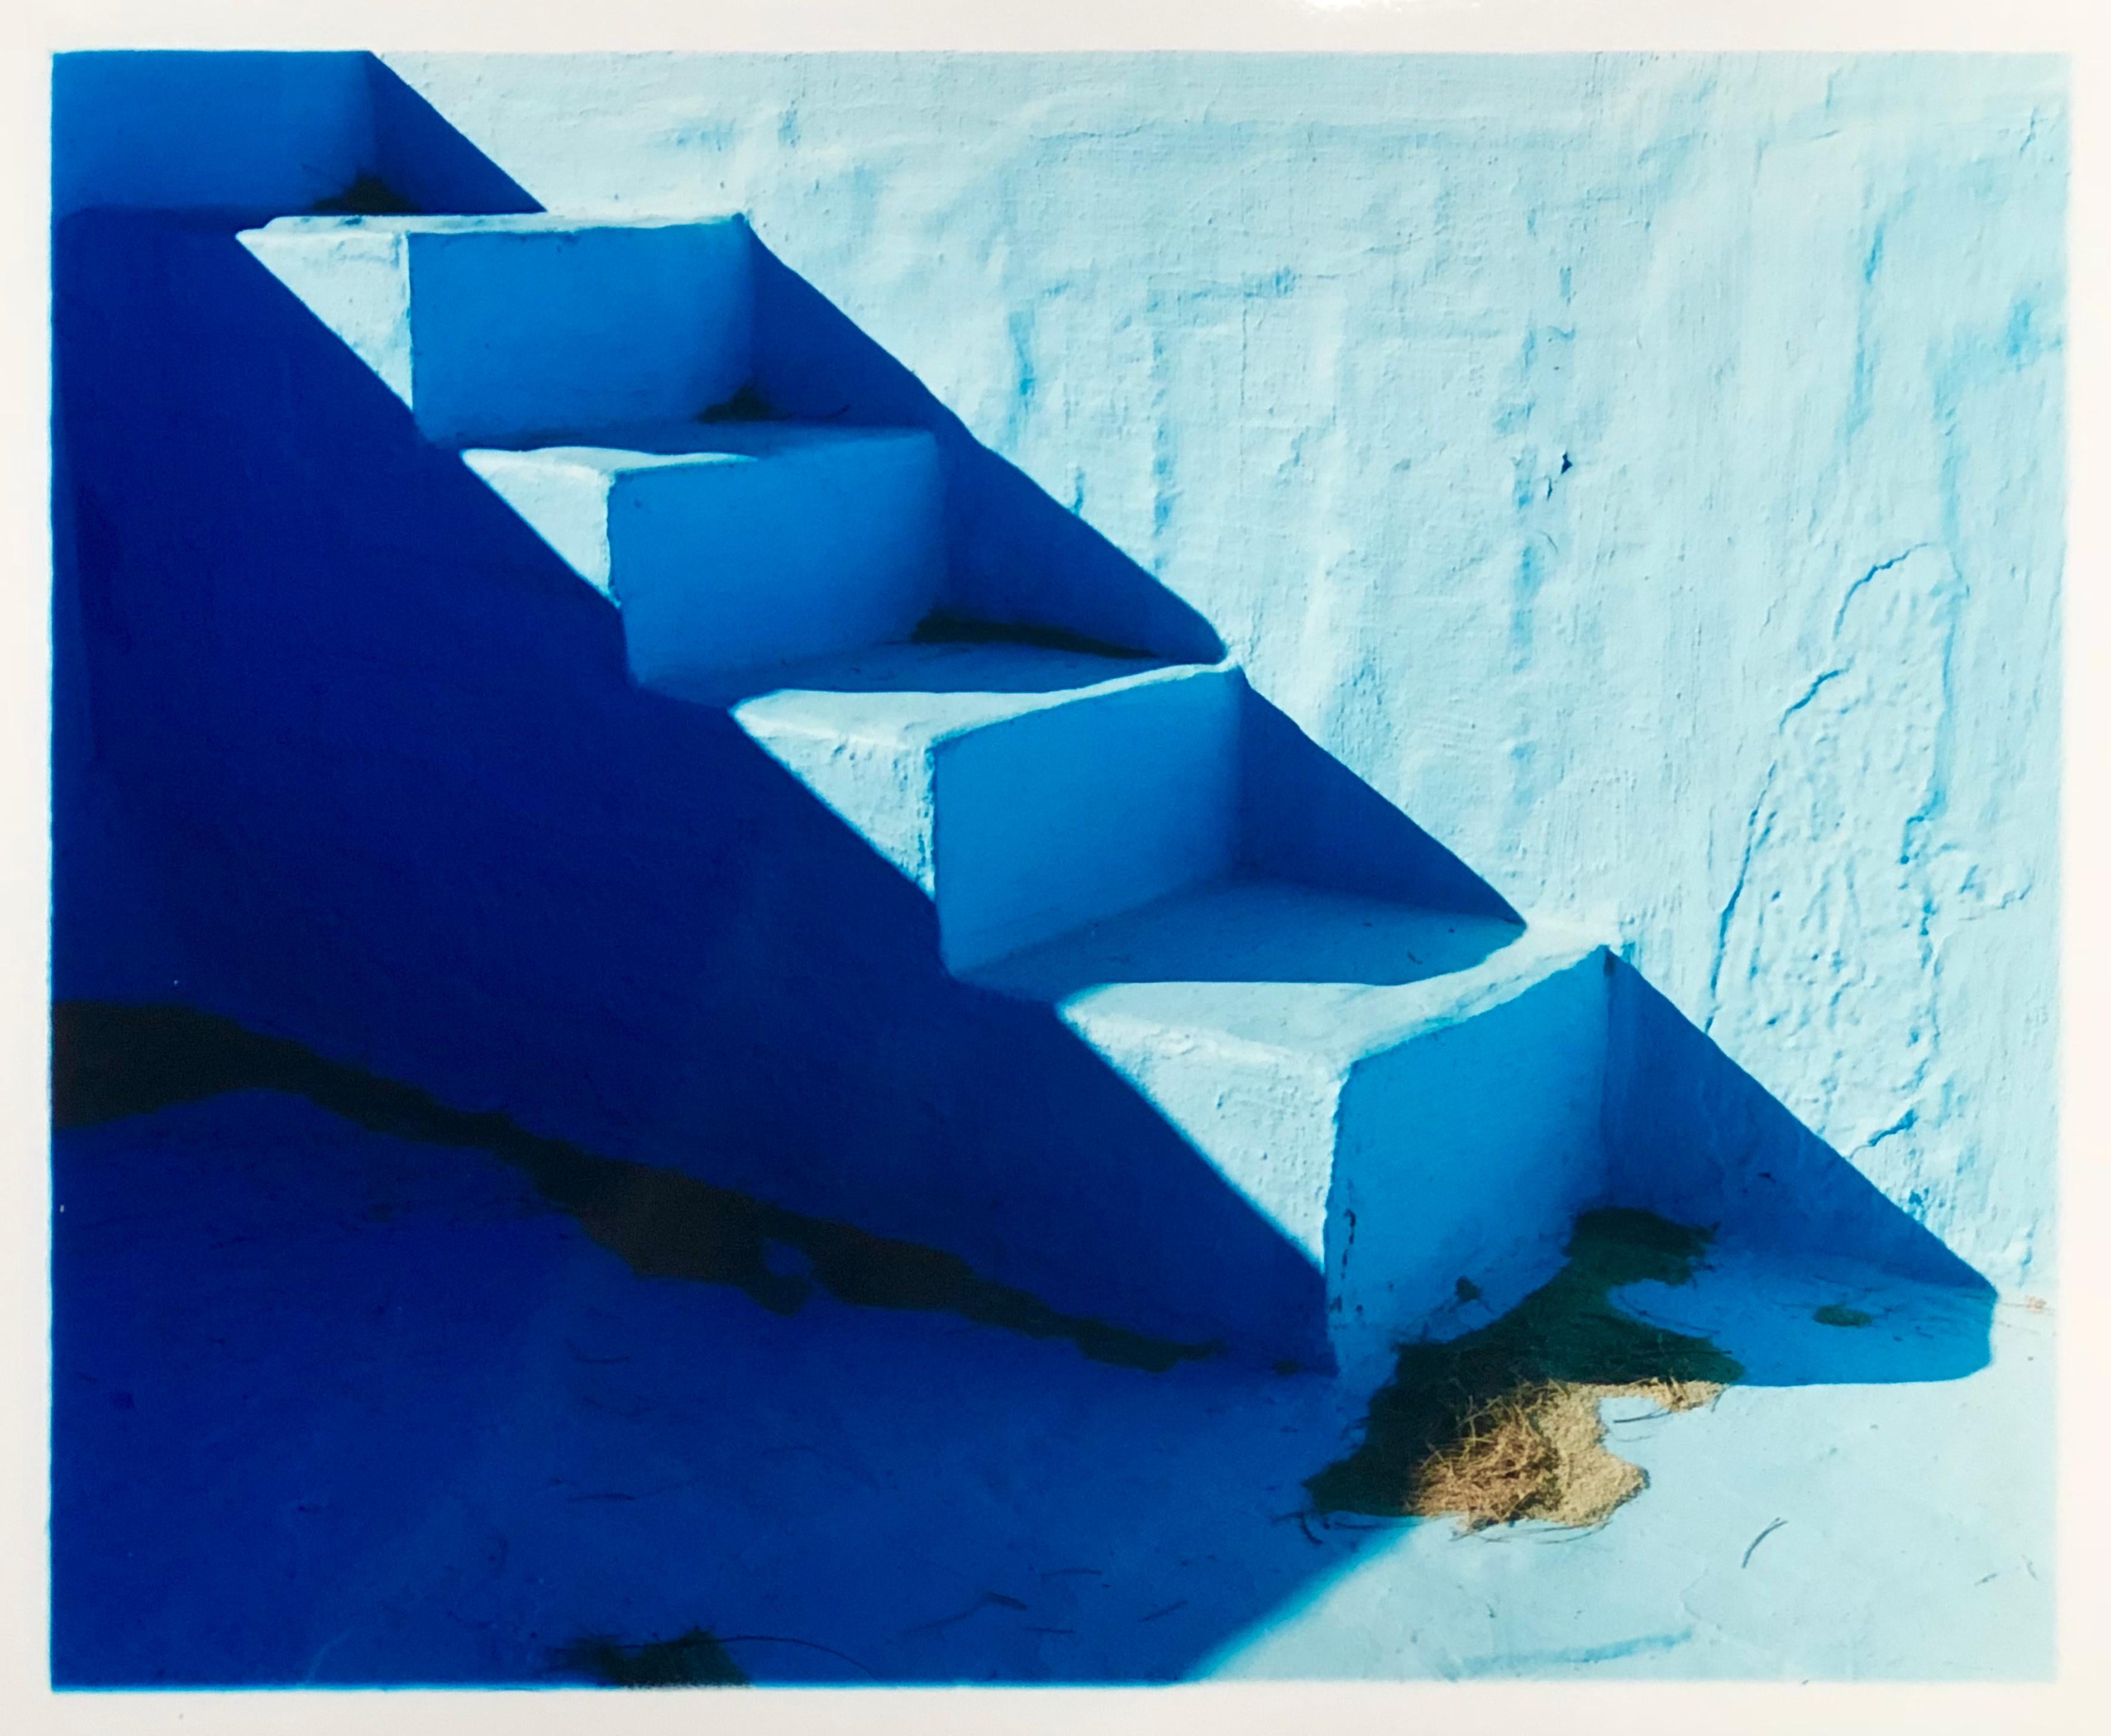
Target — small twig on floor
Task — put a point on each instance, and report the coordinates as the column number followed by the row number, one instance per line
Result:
column 785, row 1639
column 983, row 1602
column 1760, row 1539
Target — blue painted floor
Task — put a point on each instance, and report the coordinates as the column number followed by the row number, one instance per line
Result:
column 1822, row 1531
column 331, row 1408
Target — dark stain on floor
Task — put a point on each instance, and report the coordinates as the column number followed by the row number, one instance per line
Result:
column 695, row 1659
column 109, row 1060
column 1502, row 1424
column 1839, row 1314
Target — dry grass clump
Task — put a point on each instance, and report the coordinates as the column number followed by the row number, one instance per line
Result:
column 1503, row 1425
column 1537, row 1452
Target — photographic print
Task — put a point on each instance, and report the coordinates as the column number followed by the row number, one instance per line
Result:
column 920, row 869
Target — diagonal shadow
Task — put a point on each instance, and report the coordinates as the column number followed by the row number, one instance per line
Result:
column 417, row 814
column 389, row 779
column 1692, row 1136
column 1015, row 555
column 1307, row 817
column 331, row 1411
column 376, row 756
column 113, row 1060
column 419, row 157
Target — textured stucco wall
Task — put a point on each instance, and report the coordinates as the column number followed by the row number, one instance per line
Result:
column 1646, row 472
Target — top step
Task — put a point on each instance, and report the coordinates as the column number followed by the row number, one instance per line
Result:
column 495, row 330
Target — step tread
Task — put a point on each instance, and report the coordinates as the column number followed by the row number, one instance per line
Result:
column 1259, row 963
column 918, row 692
column 617, row 451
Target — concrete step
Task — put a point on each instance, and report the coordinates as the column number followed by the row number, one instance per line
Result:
column 1408, row 1098
column 1025, row 790
column 1411, row 1098
column 733, row 545
column 498, row 328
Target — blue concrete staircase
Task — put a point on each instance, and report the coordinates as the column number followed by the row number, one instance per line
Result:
column 1411, row 1097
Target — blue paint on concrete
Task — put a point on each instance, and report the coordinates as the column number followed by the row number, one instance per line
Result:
column 1054, row 817
column 418, row 814
column 1024, row 810
column 495, row 328
column 333, row 1409
column 735, row 546
column 1025, row 816
column 1691, row 1135
column 1856, row 1511
column 1430, row 1133
column 236, row 131
column 1635, row 468
column 1306, row 817
column 1407, row 1096
column 992, row 775
column 420, row 156
column 1117, row 971
column 337, row 1409
column 1466, row 1149
column 260, row 133
column 1014, row 554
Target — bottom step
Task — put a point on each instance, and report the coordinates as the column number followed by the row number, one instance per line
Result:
column 1410, row 1098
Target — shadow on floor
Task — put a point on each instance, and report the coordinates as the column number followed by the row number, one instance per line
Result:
column 338, row 1407
column 333, row 1407
column 416, row 814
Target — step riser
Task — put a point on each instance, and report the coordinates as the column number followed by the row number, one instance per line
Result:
column 493, row 336
column 1067, row 815
column 1465, row 1152
column 772, row 561
column 735, row 565
column 880, row 790
column 1024, row 828
column 1265, row 1121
